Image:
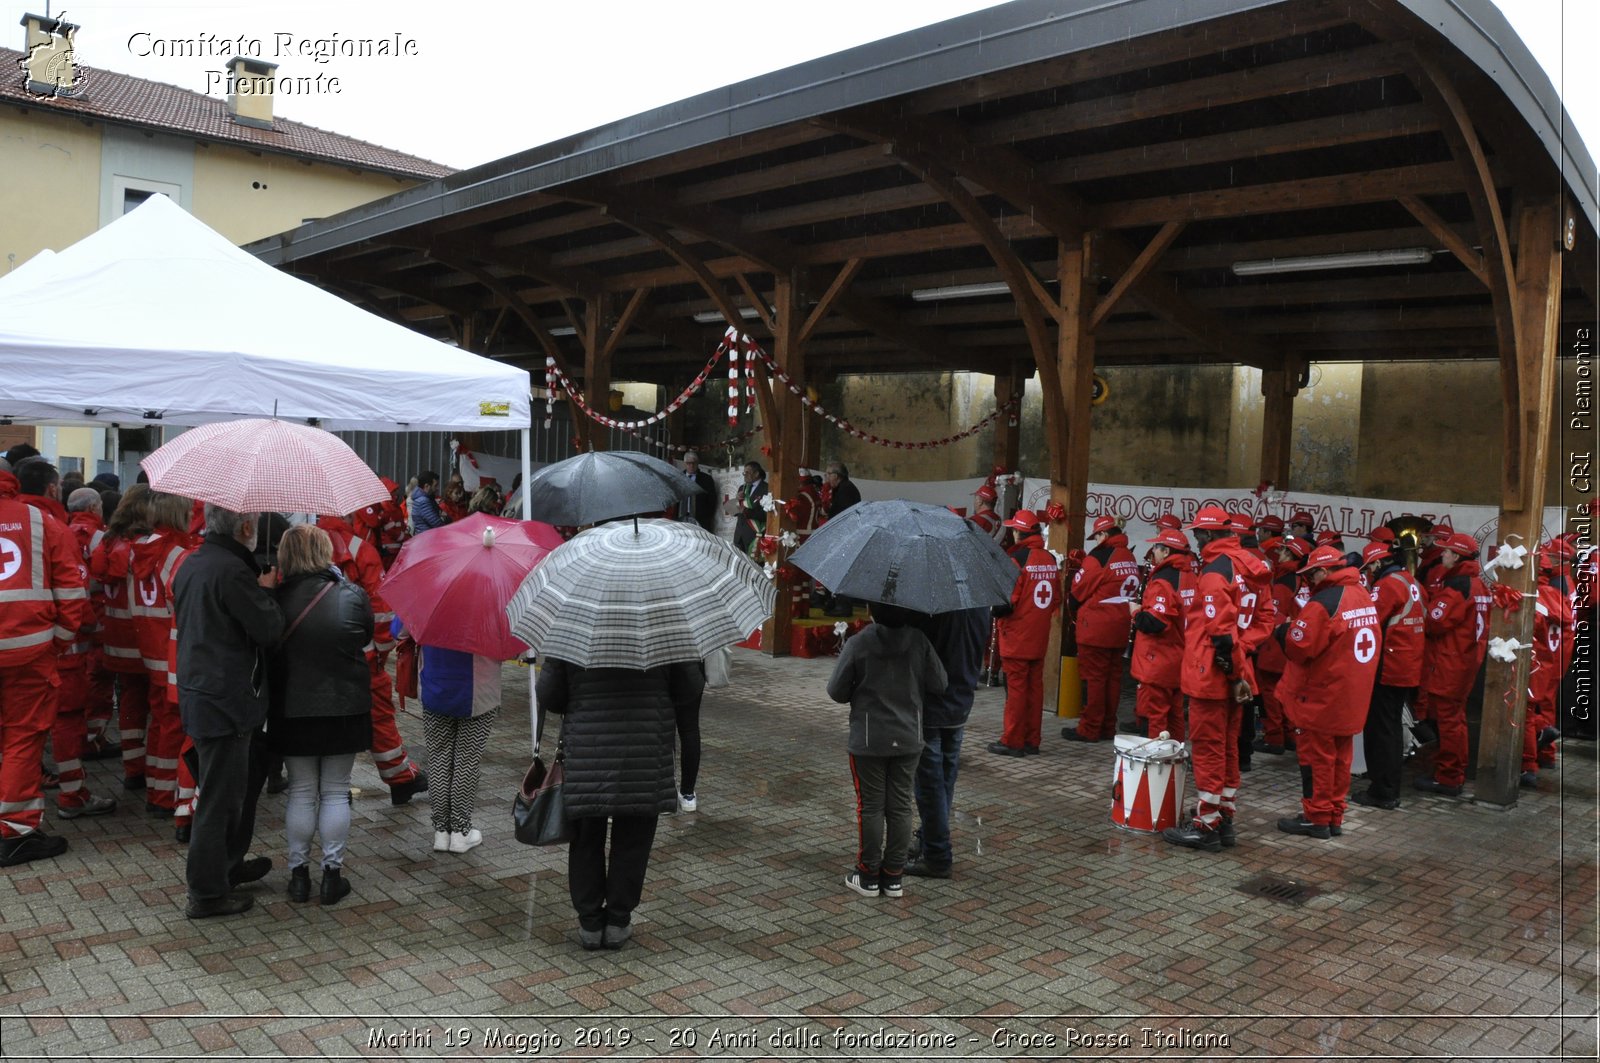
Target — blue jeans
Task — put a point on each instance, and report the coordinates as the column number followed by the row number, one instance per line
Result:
column 936, row 789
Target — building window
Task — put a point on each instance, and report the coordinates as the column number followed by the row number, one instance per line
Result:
column 129, row 192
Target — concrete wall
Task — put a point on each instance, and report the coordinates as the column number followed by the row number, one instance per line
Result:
column 49, row 183
column 246, row 196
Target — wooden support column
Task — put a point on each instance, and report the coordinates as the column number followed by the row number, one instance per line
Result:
column 784, row 442
column 1008, row 428
column 1536, row 289
column 1278, row 388
column 596, row 364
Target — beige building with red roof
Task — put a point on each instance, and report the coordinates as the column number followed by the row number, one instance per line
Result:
column 81, row 146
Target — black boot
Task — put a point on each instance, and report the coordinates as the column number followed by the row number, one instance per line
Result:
column 334, row 887
column 300, row 884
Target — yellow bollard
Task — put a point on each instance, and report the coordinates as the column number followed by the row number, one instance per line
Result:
column 1069, row 695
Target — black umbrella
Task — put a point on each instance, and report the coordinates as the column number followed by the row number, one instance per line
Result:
column 909, row 554
column 593, row 487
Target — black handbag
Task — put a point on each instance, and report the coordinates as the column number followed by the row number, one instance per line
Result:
column 540, row 806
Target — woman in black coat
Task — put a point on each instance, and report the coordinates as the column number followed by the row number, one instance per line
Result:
column 320, row 714
column 617, row 734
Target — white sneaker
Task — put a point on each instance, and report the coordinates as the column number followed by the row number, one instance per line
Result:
column 441, row 841
column 460, row 842
column 687, row 803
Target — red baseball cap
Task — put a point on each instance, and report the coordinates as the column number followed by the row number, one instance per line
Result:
column 1270, row 522
column 1374, row 551
column 1023, row 520
column 1381, row 534
column 1324, row 557
column 987, row 493
column 1441, row 531
column 1459, row 543
column 1104, row 524
column 1169, row 520
column 1212, row 518
column 1296, row 546
column 1173, row 538
column 1327, row 537
column 1270, row 543
column 1305, row 518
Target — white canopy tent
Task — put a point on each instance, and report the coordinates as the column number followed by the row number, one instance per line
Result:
column 156, row 319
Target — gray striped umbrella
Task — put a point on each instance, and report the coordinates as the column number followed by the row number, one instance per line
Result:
column 640, row 594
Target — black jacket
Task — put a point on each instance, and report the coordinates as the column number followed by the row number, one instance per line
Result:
column 225, row 623
column 618, row 726
column 702, row 509
column 321, row 668
column 959, row 639
column 845, row 494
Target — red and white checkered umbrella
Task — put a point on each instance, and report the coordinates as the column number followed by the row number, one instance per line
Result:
column 257, row 465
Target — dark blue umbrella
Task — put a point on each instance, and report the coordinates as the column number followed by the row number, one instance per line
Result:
column 599, row 486
column 910, row 554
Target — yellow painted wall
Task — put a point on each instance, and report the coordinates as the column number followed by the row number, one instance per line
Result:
column 291, row 191
column 49, row 182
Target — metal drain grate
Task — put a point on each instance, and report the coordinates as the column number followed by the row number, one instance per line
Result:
column 1278, row 888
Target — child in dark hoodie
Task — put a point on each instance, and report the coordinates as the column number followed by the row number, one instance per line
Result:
column 884, row 672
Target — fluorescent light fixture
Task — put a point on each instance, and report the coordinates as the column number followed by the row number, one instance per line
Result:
column 564, row 330
column 959, row 291
column 1404, row 256
column 708, row 317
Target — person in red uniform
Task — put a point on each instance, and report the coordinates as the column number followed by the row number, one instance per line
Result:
column 44, row 601
column 1457, row 631
column 983, row 514
column 1269, row 526
column 1552, row 655
column 1400, row 620
column 1213, row 677
column 41, row 488
column 1301, row 525
column 1332, row 648
column 1158, row 638
column 111, row 566
column 1024, row 631
column 86, row 518
column 1429, row 571
column 1098, row 598
column 391, row 524
column 155, row 561
column 1285, row 555
column 362, row 565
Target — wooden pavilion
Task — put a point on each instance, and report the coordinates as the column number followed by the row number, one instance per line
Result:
column 1258, row 182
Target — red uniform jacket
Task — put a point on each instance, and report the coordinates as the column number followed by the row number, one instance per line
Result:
column 1332, row 649
column 111, row 565
column 1025, row 632
column 1158, row 641
column 44, row 597
column 1457, row 632
column 362, row 565
column 1400, row 618
column 987, row 519
column 155, row 559
column 1552, row 643
column 1285, row 585
column 1224, row 604
column 1101, row 590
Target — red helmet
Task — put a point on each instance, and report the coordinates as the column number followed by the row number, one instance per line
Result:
column 1023, row 520
column 1324, row 557
column 1212, row 518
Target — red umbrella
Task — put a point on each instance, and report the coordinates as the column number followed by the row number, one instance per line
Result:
column 255, row 465
column 450, row 585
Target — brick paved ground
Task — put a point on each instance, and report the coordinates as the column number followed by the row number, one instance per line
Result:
column 1447, row 930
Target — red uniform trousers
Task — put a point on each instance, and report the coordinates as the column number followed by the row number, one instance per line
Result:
column 1539, row 715
column 1275, row 730
column 184, row 812
column 1162, row 709
column 1324, row 775
column 388, row 748
column 162, row 745
column 1450, row 716
column 102, row 701
column 133, row 715
column 1101, row 671
column 27, row 708
column 1024, row 702
column 1214, row 753
column 68, row 731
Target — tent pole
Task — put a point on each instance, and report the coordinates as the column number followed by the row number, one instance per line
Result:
column 527, row 514
column 116, row 451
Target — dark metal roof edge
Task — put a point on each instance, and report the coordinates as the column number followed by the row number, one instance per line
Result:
column 971, row 45
column 1479, row 30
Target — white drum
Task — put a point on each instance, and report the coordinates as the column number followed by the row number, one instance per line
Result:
column 1147, row 783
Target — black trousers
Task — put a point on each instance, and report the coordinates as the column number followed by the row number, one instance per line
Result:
column 1384, row 744
column 606, row 893
column 232, row 772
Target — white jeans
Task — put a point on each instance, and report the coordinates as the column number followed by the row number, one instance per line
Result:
column 318, row 803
